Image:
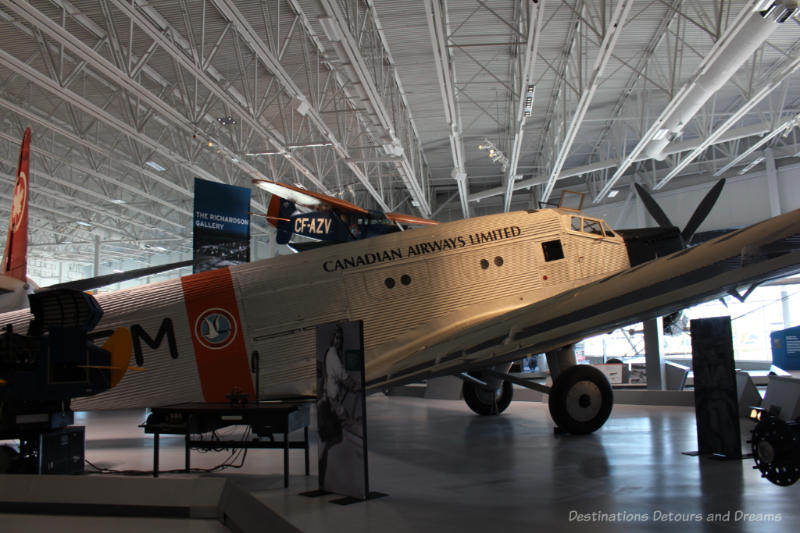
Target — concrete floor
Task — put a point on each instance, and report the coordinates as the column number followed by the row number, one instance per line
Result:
column 445, row 469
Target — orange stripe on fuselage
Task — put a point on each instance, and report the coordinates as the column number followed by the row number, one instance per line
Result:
column 217, row 334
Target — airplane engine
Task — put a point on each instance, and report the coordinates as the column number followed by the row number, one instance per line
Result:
column 42, row 370
column 776, row 447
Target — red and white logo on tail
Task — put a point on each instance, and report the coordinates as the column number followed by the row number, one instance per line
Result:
column 16, row 251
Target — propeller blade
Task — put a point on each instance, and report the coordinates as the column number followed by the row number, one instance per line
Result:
column 702, row 211
column 653, row 208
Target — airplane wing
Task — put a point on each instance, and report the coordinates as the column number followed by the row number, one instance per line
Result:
column 749, row 256
column 117, row 277
column 317, row 200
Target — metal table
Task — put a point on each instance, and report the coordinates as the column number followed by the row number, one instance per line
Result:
column 264, row 418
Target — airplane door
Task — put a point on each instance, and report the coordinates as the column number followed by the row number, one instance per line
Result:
column 587, row 241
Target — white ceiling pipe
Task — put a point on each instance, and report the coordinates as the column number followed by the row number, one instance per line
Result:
column 730, row 135
column 730, row 55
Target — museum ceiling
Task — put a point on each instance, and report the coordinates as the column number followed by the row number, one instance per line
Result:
column 438, row 108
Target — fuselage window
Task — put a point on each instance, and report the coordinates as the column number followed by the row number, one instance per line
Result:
column 592, row 227
column 498, row 261
column 405, row 279
column 484, row 264
column 553, row 250
column 389, row 283
column 576, row 223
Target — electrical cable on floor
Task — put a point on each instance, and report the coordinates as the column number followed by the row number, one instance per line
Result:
column 237, row 454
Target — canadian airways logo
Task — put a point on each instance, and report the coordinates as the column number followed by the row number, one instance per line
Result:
column 215, row 328
column 19, row 202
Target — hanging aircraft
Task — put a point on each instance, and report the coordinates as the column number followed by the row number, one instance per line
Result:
column 462, row 298
column 326, row 219
column 15, row 285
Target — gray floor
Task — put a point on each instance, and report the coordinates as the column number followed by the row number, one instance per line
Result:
column 445, row 469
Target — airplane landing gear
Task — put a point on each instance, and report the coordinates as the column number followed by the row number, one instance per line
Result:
column 580, row 399
column 490, row 399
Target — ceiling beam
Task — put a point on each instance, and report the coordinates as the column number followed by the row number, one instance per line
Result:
column 692, row 95
column 348, row 49
column 786, row 71
column 436, row 14
column 613, row 31
column 142, row 14
column 272, row 63
column 531, row 51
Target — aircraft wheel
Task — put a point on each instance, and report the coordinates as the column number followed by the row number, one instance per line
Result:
column 487, row 402
column 581, row 399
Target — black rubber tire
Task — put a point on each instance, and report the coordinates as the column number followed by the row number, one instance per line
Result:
column 485, row 402
column 581, row 400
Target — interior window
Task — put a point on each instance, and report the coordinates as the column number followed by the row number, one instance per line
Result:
column 592, row 226
column 576, row 223
column 553, row 250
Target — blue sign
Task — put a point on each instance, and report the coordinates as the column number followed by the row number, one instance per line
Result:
column 786, row 348
column 221, row 225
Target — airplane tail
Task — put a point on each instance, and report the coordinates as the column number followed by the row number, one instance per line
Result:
column 16, row 252
column 279, row 215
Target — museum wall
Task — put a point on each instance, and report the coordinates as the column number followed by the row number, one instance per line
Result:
column 744, row 201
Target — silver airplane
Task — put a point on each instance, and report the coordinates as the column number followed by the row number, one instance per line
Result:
column 458, row 298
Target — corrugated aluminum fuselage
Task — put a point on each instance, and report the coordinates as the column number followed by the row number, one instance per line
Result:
column 426, row 283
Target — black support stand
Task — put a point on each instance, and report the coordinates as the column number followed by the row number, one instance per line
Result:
column 715, row 396
column 265, row 419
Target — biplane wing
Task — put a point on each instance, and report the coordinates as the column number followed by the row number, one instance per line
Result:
column 318, row 201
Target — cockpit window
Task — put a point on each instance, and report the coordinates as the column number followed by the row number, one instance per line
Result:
column 576, row 223
column 592, row 226
column 608, row 230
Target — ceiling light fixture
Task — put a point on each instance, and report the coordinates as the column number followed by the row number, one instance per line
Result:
column 751, row 164
column 155, row 166
column 529, row 95
column 613, row 193
column 83, row 223
column 494, row 154
column 227, row 120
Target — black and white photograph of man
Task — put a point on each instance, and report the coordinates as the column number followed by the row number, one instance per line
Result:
column 340, row 413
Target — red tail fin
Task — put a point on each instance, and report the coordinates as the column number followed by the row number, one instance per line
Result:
column 15, row 257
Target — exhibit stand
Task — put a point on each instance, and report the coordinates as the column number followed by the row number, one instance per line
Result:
column 341, row 413
column 715, row 393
